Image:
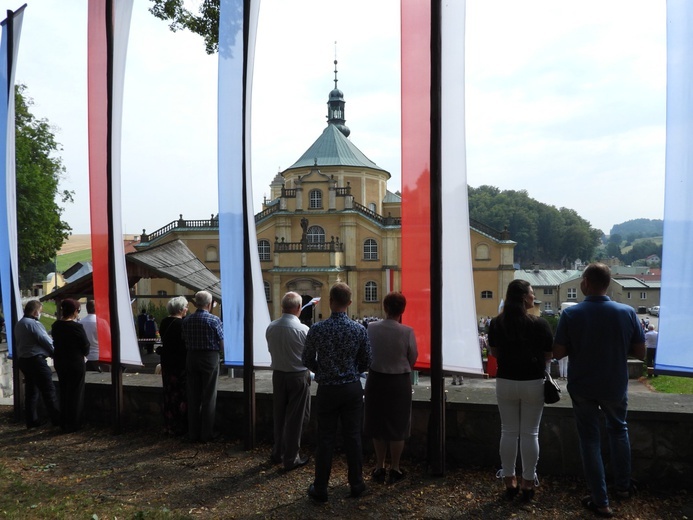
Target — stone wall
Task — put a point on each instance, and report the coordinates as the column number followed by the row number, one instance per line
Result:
column 6, row 384
column 661, row 430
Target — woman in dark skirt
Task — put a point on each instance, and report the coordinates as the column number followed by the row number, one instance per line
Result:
column 173, row 356
column 71, row 349
column 388, row 387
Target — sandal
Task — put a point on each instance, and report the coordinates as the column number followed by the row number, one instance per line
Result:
column 604, row 512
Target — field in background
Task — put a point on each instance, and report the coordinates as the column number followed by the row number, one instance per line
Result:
column 75, row 243
column 67, row 260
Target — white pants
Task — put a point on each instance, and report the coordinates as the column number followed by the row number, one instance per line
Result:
column 520, row 404
column 563, row 367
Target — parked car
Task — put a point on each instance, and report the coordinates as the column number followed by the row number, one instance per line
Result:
column 654, row 311
column 548, row 312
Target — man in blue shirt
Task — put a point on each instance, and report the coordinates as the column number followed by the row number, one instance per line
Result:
column 33, row 346
column 338, row 351
column 204, row 340
column 599, row 335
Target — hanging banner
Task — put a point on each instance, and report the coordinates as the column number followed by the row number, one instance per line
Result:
column 236, row 217
column 461, row 351
column 674, row 352
column 108, row 30
column 9, row 264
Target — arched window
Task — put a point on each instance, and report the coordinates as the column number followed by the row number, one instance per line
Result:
column 372, row 207
column 486, row 295
column 161, row 293
column 371, row 292
column 315, row 235
column 211, row 254
column 315, row 199
column 268, row 293
column 263, row 249
column 482, row 252
column 370, row 249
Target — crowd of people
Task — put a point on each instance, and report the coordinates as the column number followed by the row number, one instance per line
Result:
column 598, row 335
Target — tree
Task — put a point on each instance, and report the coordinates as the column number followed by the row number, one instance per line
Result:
column 544, row 234
column 40, row 230
column 205, row 23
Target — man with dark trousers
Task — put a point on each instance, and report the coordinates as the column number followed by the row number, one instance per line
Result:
column 33, row 345
column 599, row 334
column 286, row 337
column 338, row 351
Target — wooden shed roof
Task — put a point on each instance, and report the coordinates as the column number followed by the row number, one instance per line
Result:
column 172, row 260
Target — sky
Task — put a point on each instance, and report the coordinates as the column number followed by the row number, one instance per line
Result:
column 565, row 100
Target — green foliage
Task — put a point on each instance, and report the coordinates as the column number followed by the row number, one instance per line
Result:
column 47, row 321
column 672, row 384
column 639, row 228
column 205, row 23
column 642, row 249
column 544, row 234
column 40, row 230
column 69, row 259
column 158, row 311
column 49, row 308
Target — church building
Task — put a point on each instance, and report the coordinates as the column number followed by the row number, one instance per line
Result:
column 330, row 217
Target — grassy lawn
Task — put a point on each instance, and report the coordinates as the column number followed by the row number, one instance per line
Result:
column 68, row 260
column 672, row 385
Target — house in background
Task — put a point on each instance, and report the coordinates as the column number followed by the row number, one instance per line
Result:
column 552, row 286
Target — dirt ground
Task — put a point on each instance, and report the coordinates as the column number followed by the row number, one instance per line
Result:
column 142, row 474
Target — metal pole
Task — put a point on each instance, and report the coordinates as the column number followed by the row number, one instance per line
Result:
column 437, row 424
column 116, row 371
column 248, row 358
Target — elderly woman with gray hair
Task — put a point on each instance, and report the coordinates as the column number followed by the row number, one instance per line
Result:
column 173, row 359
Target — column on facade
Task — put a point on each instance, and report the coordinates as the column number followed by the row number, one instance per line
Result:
column 348, row 229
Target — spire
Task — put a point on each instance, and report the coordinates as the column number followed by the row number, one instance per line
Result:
column 335, row 104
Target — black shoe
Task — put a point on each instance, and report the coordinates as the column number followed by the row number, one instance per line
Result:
column 34, row 424
column 378, row 475
column 511, row 493
column 358, row 489
column 315, row 495
column 395, row 476
column 527, row 494
column 275, row 460
column 298, row 463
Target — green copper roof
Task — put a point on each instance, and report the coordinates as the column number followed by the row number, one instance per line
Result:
column 333, row 149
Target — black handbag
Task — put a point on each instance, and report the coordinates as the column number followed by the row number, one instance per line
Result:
column 552, row 392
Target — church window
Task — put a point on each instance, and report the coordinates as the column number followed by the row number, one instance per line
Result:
column 370, row 249
column 315, row 198
column 268, row 296
column 263, row 249
column 371, row 292
column 315, row 235
column 486, row 295
column 482, row 252
column 211, row 254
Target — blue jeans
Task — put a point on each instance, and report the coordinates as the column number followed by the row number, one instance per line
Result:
column 587, row 420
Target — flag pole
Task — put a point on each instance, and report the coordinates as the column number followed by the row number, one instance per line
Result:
column 437, row 422
column 248, row 345
column 16, row 376
column 116, row 372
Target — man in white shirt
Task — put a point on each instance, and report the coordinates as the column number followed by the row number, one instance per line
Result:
column 89, row 324
column 651, row 337
column 286, row 337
